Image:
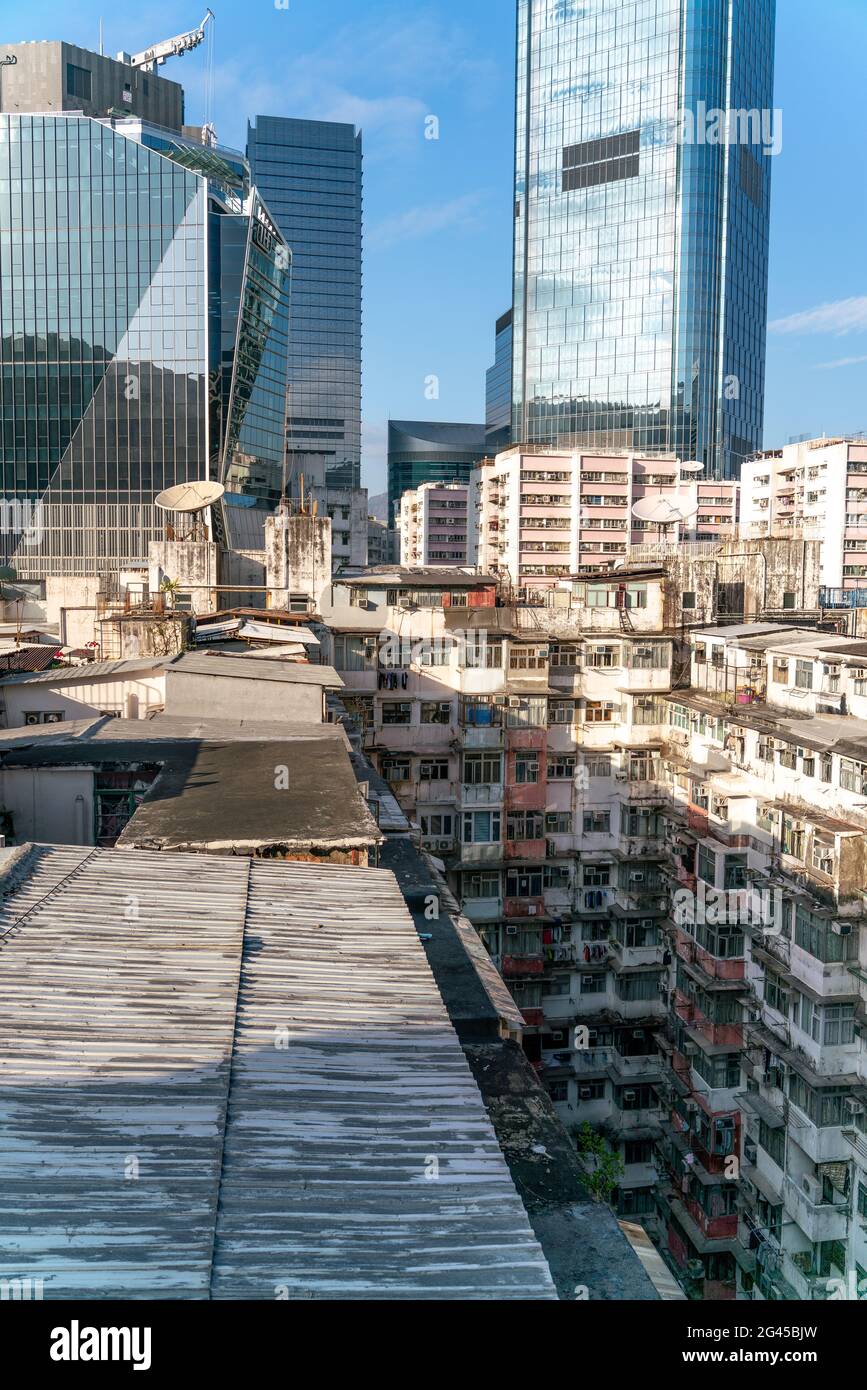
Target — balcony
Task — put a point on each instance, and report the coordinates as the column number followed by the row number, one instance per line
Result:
column 481, row 736
column 514, row 966
column 481, row 854
column 483, row 909
column 481, row 793
column 819, row 1220
column 524, row 907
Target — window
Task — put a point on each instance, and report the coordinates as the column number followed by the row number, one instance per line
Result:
column 561, row 767
column 600, row 712
column 435, row 653
column 596, row 875
column 558, row 823
column 482, row 769
column 526, row 767
column 803, row 675
column 397, row 769
column 524, row 883
column 354, row 653
column 776, row 995
column 706, row 865
column 396, row 712
column 531, row 712
column 815, row 936
column 482, row 652
column 651, row 657
column 528, row 658
column 781, row 670
column 524, row 825
column 566, row 655
column 557, row 876
column 78, row 82
column 597, row 822
column 481, row 885
column 638, row 1151
column 438, row 825
column 434, row 769
column 435, row 712
column 852, row 776
column 602, row 657
column 599, row 766
column 773, row 1141
column 561, row 712
column 481, row 827
column 605, row 160
column 479, row 711
column 593, row 984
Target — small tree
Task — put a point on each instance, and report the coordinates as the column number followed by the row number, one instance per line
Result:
column 170, row 588
column 603, row 1167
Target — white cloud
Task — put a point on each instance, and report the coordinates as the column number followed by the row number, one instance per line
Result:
column 841, row 362
column 424, row 220
column 843, row 316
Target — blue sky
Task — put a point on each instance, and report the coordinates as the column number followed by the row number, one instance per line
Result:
column 437, row 263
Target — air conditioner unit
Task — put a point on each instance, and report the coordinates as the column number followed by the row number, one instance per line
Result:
column 751, row 1152
column 855, row 1107
column 630, row 1095
column 811, row 1188
column 532, row 909
column 586, row 980
column 514, row 702
column 585, row 1093
column 638, row 1033
column 842, row 928
column 621, row 777
column 511, row 931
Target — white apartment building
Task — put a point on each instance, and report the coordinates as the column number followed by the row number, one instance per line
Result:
column 433, row 525
column 536, row 516
column 817, row 489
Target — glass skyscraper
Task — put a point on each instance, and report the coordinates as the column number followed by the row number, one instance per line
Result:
column 498, row 389
column 309, row 174
column 144, row 304
column 641, row 237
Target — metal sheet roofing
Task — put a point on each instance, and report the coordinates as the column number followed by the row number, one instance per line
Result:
column 238, row 1082
column 248, row 668
column 89, row 671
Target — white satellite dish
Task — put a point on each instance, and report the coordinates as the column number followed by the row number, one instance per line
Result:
column 690, row 467
column 189, row 497
column 660, row 510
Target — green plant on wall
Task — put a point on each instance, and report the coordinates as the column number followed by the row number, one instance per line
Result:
column 603, row 1167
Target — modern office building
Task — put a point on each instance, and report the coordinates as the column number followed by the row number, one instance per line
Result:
column 641, row 237
column 498, row 389
column 309, row 174
column 429, row 451
column 144, row 305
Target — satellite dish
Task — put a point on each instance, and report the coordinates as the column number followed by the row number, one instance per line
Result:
column 660, row 510
column 692, row 466
column 189, row 497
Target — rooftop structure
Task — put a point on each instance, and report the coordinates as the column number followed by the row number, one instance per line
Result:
column 298, row 1030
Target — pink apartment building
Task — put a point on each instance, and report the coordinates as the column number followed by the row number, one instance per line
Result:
column 540, row 516
column 433, row 525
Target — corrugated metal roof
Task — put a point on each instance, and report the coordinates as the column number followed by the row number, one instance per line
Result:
column 89, row 671
column 267, row 1043
column 248, row 668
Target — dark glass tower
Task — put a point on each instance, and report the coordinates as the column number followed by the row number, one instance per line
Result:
column 309, row 174
column 144, row 300
column 498, row 389
column 429, row 451
column 641, row 239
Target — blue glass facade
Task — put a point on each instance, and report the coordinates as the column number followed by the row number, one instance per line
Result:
column 309, row 174
column 429, row 451
column 641, row 240
column 109, row 316
column 498, row 389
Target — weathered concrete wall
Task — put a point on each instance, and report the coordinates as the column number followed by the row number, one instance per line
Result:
column 770, row 570
column 70, row 602
column 230, row 697
column 150, row 634
column 297, row 557
column 130, row 698
column 238, row 567
column 48, row 805
column 194, row 565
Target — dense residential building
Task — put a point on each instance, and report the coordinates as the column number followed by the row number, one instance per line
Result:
column 641, row 242
column 537, row 516
column 153, row 348
column 310, row 175
column 498, row 389
column 818, row 489
column 591, row 773
column 429, row 451
column 378, row 542
column 433, row 525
